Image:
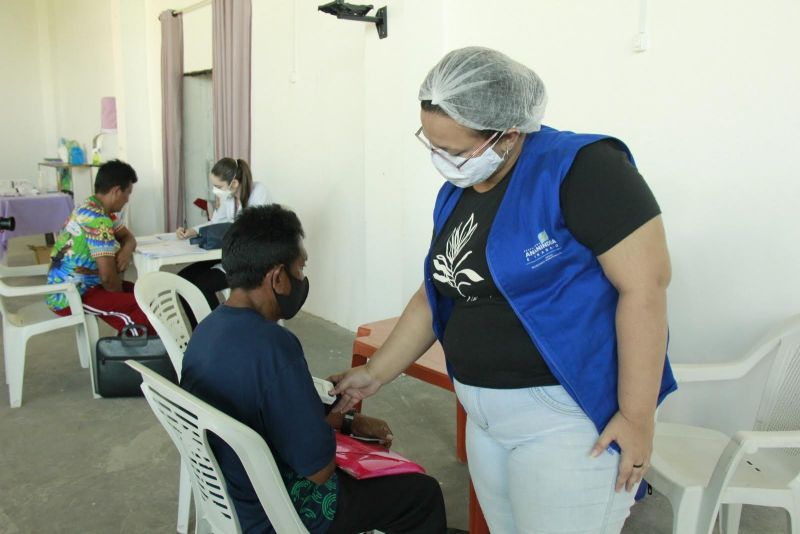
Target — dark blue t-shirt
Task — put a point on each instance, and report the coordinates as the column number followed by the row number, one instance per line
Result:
column 254, row 370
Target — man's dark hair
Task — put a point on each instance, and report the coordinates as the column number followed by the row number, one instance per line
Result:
column 260, row 238
column 114, row 173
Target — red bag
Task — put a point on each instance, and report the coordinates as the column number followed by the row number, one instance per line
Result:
column 369, row 460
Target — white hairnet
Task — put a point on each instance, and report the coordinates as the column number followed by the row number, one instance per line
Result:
column 482, row 89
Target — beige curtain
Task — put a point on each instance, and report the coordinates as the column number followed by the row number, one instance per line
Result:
column 231, row 75
column 172, row 118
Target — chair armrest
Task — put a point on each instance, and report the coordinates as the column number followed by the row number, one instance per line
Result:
column 733, row 370
column 68, row 288
column 43, row 289
column 752, row 440
column 710, row 372
column 25, row 270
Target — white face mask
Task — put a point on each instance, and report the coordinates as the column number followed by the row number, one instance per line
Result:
column 221, row 193
column 474, row 171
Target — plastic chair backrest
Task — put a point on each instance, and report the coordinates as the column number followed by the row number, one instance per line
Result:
column 188, row 420
column 17, row 272
column 157, row 295
column 779, row 408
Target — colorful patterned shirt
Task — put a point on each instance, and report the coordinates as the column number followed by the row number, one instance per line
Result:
column 89, row 233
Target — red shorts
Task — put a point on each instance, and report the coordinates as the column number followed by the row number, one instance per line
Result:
column 119, row 309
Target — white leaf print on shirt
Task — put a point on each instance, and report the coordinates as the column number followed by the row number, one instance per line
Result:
column 446, row 264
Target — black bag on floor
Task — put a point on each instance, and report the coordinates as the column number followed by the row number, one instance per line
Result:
column 113, row 377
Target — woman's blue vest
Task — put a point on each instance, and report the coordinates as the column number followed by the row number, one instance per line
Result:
column 554, row 284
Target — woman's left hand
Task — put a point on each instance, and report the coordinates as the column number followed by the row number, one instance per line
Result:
column 635, row 439
column 371, row 427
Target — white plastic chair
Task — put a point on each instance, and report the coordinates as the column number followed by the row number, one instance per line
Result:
column 157, row 295
column 34, row 319
column 701, row 470
column 188, row 420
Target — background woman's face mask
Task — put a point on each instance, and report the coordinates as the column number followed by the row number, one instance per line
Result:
column 221, row 193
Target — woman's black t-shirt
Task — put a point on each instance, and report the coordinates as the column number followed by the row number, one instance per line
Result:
column 603, row 200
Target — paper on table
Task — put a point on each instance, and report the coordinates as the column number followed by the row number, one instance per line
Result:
column 167, row 237
column 156, row 238
column 164, row 249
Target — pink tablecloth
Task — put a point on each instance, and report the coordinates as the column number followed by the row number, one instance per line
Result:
column 36, row 214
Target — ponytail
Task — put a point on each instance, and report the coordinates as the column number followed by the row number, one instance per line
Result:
column 245, row 178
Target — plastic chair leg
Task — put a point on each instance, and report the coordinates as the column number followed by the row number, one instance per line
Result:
column 93, row 331
column 184, row 500
column 92, row 335
column 202, row 527
column 14, row 346
column 685, row 510
column 794, row 516
column 6, row 358
column 729, row 517
column 84, row 352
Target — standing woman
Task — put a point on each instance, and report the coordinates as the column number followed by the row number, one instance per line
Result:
column 546, row 285
column 233, row 184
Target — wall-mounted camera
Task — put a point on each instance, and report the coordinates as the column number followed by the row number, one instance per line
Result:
column 342, row 10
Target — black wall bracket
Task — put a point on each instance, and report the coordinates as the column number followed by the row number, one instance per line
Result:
column 358, row 12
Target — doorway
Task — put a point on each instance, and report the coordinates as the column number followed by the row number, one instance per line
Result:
column 198, row 142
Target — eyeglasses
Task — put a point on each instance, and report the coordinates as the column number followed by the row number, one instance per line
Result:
column 445, row 156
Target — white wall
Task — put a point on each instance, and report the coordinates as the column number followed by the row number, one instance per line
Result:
column 82, row 73
column 308, row 142
column 401, row 184
column 22, row 137
column 95, row 48
column 137, row 133
column 66, row 56
column 197, row 39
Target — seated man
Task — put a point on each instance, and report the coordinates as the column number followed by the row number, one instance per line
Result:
column 94, row 249
column 241, row 361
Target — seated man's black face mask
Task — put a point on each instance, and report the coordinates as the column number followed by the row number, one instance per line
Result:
column 290, row 304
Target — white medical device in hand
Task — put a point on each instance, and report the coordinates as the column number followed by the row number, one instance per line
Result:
column 323, row 387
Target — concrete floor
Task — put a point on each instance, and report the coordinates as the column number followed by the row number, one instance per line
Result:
column 72, row 464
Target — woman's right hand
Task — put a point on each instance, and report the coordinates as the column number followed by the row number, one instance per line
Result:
column 185, row 233
column 409, row 339
column 354, row 386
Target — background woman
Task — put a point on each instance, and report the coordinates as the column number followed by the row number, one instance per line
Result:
column 233, row 184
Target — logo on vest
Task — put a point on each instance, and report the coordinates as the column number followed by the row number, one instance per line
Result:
column 544, row 251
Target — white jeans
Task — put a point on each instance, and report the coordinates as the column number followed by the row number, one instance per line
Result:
column 528, row 452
